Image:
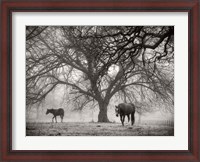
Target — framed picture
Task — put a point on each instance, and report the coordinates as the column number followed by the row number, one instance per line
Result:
column 100, row 80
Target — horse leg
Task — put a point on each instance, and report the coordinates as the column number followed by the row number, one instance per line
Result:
column 132, row 118
column 56, row 119
column 121, row 118
column 61, row 118
column 52, row 119
column 128, row 117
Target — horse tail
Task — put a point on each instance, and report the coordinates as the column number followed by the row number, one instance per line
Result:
column 63, row 112
column 133, row 117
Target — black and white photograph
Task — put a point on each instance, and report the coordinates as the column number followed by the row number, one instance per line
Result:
column 99, row 80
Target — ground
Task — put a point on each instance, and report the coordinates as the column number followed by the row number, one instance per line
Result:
column 96, row 129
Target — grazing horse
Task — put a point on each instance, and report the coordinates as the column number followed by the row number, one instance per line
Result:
column 125, row 109
column 56, row 112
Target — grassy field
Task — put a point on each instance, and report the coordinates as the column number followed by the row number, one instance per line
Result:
column 96, row 129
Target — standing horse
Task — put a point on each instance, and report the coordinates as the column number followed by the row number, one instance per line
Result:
column 56, row 112
column 125, row 109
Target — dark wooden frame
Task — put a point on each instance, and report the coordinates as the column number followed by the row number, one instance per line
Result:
column 9, row 6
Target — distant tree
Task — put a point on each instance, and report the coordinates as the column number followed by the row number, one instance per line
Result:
column 98, row 62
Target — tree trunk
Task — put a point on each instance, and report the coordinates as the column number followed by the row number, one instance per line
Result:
column 102, row 117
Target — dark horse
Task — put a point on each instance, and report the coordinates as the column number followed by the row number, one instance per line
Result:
column 124, row 109
column 56, row 112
